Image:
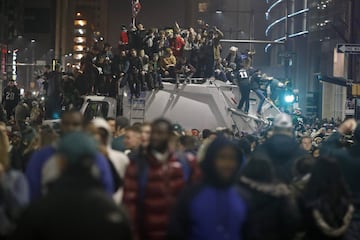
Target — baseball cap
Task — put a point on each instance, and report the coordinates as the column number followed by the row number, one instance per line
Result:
column 283, row 120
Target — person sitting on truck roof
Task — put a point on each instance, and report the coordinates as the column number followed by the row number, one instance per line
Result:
column 167, row 64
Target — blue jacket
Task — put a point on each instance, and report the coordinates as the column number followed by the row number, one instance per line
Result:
column 40, row 157
column 208, row 213
column 213, row 210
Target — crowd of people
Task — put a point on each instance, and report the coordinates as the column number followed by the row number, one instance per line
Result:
column 107, row 179
column 141, row 62
column 145, row 58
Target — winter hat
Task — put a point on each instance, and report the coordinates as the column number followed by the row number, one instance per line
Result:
column 77, row 146
column 101, row 123
column 283, row 120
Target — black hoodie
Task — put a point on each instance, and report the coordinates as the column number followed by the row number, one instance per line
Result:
column 283, row 151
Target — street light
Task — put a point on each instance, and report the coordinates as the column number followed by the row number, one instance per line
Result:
column 219, row 12
column 33, row 40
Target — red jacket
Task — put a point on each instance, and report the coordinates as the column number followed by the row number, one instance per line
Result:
column 177, row 45
column 124, row 39
column 150, row 213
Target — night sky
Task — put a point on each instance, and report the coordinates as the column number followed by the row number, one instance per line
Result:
column 154, row 13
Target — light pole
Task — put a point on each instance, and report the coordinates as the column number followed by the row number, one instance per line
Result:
column 33, row 62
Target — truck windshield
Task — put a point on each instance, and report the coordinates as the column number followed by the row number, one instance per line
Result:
column 96, row 109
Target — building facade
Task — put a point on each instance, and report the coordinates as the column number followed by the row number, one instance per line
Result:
column 68, row 13
column 237, row 19
column 311, row 30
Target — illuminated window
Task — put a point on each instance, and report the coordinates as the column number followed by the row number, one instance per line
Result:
column 80, row 23
column 79, row 40
column 203, row 7
column 79, row 48
column 78, row 56
column 80, row 31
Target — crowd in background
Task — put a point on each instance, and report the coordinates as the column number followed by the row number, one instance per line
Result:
column 146, row 57
column 107, row 179
column 142, row 61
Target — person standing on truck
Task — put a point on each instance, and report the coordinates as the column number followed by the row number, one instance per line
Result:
column 10, row 98
column 134, row 73
column 243, row 77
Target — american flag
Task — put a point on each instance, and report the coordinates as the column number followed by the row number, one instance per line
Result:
column 136, row 7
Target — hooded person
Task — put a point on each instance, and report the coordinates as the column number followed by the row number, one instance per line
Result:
column 326, row 203
column 269, row 199
column 282, row 148
column 77, row 206
column 117, row 159
column 215, row 208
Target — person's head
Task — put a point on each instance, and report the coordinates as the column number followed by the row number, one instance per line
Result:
column 4, row 147
column 206, row 133
column 247, row 63
column 123, row 53
column 306, row 143
column 71, row 121
column 222, row 163
column 259, row 168
column 161, row 131
column 132, row 139
column 156, row 57
column 304, row 165
column 315, row 152
column 47, row 136
column 233, row 50
column 145, row 134
column 188, row 143
column 112, row 123
column 101, row 131
column 142, row 53
column 195, row 132
column 107, row 47
column 283, row 124
column 326, row 185
column 140, row 27
column 121, row 124
column 133, row 52
column 168, row 52
column 77, row 157
column 11, row 83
